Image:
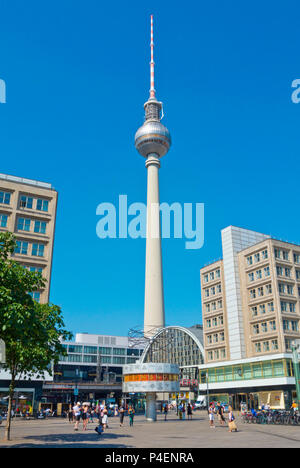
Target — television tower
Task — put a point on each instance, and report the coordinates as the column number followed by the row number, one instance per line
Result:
column 152, row 140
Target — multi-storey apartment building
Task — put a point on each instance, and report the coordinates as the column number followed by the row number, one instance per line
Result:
column 214, row 312
column 28, row 209
column 251, row 314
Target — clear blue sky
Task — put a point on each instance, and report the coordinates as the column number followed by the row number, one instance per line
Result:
column 77, row 75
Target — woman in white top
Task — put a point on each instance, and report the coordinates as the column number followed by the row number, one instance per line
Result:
column 104, row 419
column 211, row 413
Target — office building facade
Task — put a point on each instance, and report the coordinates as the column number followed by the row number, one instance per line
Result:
column 28, row 209
column 251, row 313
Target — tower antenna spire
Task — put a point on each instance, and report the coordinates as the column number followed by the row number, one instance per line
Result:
column 152, row 89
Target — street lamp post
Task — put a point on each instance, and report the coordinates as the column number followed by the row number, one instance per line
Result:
column 296, row 372
column 207, row 390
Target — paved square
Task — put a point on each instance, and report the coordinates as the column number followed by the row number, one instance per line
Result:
column 56, row 432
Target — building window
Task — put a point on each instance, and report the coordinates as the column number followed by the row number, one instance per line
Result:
column 220, row 304
column 296, row 258
column 264, row 327
column 74, row 358
column 218, row 273
column 265, row 254
column 260, row 291
column 272, row 325
column 256, row 329
column 205, row 278
column 42, row 205
column 207, row 307
column 209, row 339
column 35, row 295
column 285, row 255
column 118, row 360
column 26, row 202
column 119, row 351
column 21, row 248
column 75, row 349
column 24, row 224
column 271, row 307
column 3, row 220
column 105, row 350
column 251, row 277
column 212, row 276
column 287, row 272
column 210, row 355
column 90, row 350
column 5, row 198
column 258, row 274
column 257, row 347
column 266, row 346
column 206, row 292
column 249, row 260
column 38, row 250
column 262, row 308
column 267, row 271
column 252, row 294
column 268, row 289
column 40, row 227
column 90, row 359
column 36, row 269
column 257, row 257
column 274, row 344
column 208, row 323
column 254, row 311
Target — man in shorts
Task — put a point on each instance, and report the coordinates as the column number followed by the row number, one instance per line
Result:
column 77, row 415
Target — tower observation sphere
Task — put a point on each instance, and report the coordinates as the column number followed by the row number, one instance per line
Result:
column 153, row 137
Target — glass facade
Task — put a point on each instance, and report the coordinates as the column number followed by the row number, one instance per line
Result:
column 174, row 346
column 250, row 371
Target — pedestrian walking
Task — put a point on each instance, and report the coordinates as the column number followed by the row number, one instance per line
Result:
column 231, row 420
column 131, row 415
column 122, row 414
column 189, row 411
column 70, row 414
column 211, row 415
column 220, row 413
column 180, row 411
column 85, row 414
column 77, row 415
column 183, row 411
column 105, row 419
column 166, row 409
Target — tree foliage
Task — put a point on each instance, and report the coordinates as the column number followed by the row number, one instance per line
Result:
column 32, row 332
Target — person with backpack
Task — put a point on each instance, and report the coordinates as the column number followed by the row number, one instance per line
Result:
column 220, row 412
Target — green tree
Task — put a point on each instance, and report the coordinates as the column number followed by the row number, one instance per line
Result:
column 32, row 332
